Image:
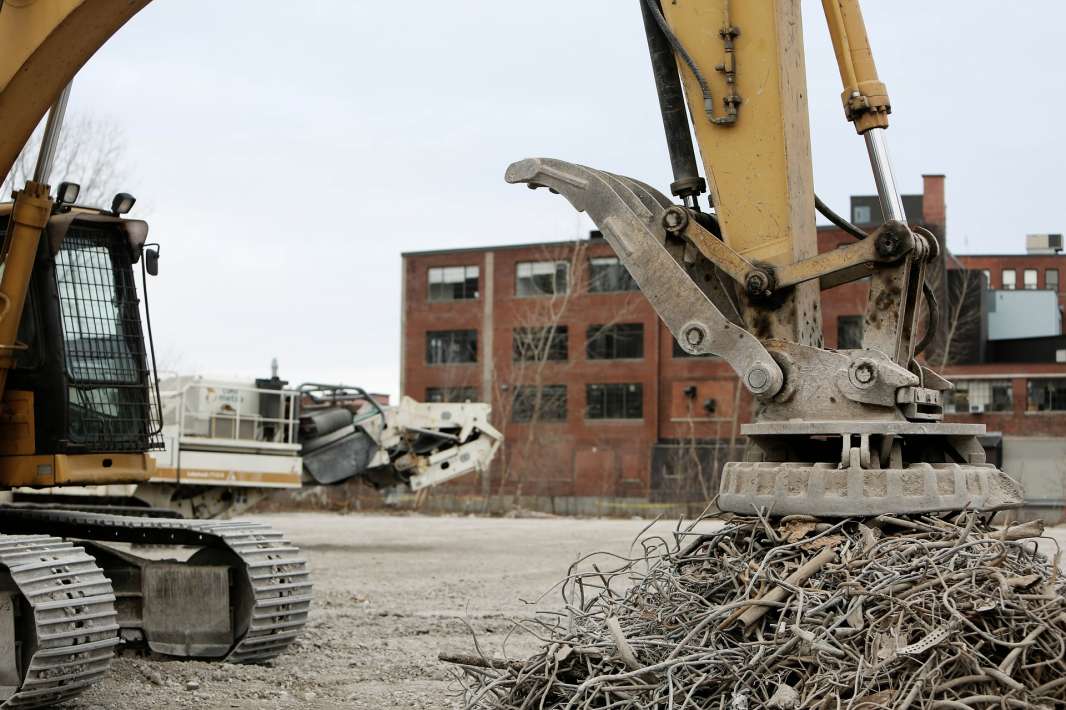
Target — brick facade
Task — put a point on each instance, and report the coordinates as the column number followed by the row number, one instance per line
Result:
column 1042, row 264
column 579, row 456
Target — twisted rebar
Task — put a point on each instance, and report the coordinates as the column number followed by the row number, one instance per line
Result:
column 915, row 612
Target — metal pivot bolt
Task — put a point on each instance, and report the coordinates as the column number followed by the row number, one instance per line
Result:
column 888, row 243
column 675, row 219
column 694, row 336
column 757, row 283
column 758, row 379
column 863, row 373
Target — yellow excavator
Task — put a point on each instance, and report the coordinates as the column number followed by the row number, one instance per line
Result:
column 80, row 407
column 848, row 432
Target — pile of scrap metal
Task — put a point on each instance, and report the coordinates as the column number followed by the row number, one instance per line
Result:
column 931, row 611
column 229, row 444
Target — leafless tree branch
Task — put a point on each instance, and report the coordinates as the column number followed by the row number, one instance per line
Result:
column 522, row 380
column 91, row 152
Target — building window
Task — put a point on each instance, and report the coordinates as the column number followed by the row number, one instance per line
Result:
column 1029, row 279
column 450, row 346
column 624, row 401
column 860, row 214
column 541, row 278
column 1051, row 279
column 1010, row 279
column 976, row 396
column 451, row 394
column 608, row 274
column 551, row 406
column 615, row 342
column 540, row 344
column 679, row 351
column 1047, row 395
column 453, row 283
column 988, row 277
column 849, row 332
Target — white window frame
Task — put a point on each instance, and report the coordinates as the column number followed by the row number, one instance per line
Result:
column 452, row 275
column 1030, row 279
column 979, row 396
column 531, row 269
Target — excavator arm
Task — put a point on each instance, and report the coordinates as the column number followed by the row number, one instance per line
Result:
column 836, row 432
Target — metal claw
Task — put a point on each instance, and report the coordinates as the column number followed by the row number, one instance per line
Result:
column 629, row 214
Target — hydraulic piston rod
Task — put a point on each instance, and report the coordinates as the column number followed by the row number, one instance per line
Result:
column 50, row 141
column 28, row 217
column 865, row 97
column 888, row 195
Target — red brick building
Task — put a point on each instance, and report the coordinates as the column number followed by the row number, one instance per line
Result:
column 599, row 408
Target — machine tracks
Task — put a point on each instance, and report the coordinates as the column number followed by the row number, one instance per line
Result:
column 75, row 625
column 280, row 582
column 271, row 589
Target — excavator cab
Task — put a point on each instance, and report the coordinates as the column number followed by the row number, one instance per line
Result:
column 81, row 393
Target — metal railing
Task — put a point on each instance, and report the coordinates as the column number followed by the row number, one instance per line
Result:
column 342, row 395
column 202, row 417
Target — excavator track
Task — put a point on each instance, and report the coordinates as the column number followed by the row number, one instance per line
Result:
column 75, row 625
column 275, row 597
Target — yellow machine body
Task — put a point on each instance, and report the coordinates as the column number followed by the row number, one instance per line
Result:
column 764, row 157
column 45, row 42
column 20, row 465
column 758, row 160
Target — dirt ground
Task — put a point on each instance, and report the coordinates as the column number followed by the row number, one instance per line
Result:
column 390, row 593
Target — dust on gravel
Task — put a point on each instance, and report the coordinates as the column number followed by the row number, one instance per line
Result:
column 390, row 593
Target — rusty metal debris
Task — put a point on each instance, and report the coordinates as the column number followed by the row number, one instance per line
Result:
column 921, row 611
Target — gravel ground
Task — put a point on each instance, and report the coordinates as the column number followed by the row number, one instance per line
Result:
column 390, row 593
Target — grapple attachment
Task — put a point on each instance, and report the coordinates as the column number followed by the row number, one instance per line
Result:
column 837, row 432
column 686, row 289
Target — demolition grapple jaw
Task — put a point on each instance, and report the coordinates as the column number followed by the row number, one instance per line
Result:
column 837, row 433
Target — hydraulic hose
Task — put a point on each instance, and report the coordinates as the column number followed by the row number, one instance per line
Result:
column 836, row 219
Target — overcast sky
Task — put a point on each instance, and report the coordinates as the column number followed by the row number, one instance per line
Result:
column 286, row 153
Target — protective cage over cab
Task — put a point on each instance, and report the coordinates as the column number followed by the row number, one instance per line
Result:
column 81, row 343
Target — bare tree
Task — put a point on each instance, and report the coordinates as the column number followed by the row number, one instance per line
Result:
column 91, row 152
column 960, row 313
column 518, row 384
column 527, row 402
column 692, row 463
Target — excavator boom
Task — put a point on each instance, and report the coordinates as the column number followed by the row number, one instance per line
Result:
column 44, row 44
